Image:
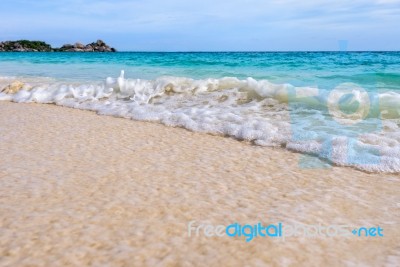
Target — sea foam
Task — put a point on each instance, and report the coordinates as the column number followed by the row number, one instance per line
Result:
column 347, row 126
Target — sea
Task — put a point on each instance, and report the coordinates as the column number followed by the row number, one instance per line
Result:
column 335, row 108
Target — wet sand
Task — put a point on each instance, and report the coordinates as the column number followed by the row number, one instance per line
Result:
column 81, row 189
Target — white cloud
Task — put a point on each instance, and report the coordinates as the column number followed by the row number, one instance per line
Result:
column 215, row 22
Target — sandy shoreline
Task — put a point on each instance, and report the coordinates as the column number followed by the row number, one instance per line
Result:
column 82, row 189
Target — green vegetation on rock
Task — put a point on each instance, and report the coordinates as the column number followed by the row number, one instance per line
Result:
column 40, row 46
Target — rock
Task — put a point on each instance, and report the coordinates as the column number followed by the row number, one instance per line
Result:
column 98, row 46
column 100, row 43
column 88, row 48
column 14, row 87
column 39, row 46
column 66, row 47
column 79, row 45
column 24, row 46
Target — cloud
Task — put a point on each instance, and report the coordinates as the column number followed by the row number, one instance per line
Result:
column 207, row 24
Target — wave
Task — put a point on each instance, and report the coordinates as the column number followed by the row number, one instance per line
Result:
column 346, row 126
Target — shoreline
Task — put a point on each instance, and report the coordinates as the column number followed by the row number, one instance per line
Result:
column 88, row 189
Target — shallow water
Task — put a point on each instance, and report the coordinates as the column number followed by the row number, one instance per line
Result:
column 341, row 107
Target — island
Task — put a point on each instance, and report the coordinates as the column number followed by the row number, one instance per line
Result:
column 40, row 46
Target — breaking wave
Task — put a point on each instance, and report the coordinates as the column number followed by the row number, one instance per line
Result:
column 346, row 126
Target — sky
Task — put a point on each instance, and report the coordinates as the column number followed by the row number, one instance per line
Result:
column 207, row 25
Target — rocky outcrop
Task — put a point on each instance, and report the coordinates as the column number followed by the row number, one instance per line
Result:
column 98, row 46
column 24, row 46
column 38, row 46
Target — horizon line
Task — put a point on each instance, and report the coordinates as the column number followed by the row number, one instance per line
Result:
column 248, row 51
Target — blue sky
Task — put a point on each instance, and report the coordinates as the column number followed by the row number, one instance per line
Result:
column 207, row 25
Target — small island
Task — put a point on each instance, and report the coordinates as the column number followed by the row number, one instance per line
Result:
column 40, row 46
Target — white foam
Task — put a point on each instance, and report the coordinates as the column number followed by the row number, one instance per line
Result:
column 259, row 111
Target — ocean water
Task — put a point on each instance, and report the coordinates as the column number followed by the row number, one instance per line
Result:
column 341, row 108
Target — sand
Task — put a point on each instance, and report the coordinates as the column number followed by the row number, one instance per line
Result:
column 82, row 189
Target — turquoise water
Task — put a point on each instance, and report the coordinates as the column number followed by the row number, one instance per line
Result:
column 342, row 108
column 371, row 70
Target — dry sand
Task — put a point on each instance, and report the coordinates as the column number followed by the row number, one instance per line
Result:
column 82, row 189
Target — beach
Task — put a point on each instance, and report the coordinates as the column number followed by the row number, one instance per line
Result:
column 80, row 189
